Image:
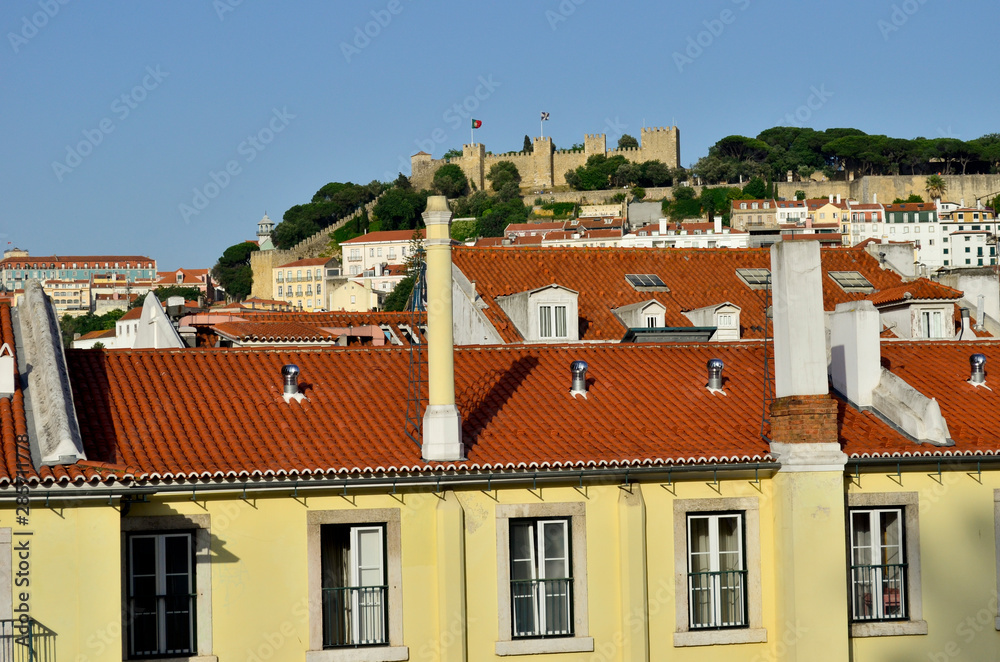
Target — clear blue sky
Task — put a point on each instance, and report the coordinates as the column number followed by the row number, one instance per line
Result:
column 163, row 94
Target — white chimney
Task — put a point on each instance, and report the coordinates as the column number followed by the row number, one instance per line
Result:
column 799, row 332
column 663, row 226
column 7, row 375
column 442, row 428
column 831, row 198
column 874, row 198
column 855, row 358
column 838, row 198
column 718, row 224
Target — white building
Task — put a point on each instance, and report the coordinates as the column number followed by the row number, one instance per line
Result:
column 686, row 235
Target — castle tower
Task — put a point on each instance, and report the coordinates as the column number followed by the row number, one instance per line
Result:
column 541, row 164
column 473, row 157
column 594, row 143
column 661, row 144
column 265, row 228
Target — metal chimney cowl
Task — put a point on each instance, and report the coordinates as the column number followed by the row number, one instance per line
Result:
column 978, row 364
column 578, row 369
column 290, row 377
column 715, row 367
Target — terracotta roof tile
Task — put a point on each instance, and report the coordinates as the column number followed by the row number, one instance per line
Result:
column 696, row 278
column 259, row 331
column 921, row 288
column 383, row 235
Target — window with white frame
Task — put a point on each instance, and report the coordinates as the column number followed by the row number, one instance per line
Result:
column 885, row 592
column 542, row 579
column 552, row 321
column 931, row 324
column 355, row 589
column 716, row 571
column 725, row 319
column 161, row 594
column 878, row 565
column 541, row 582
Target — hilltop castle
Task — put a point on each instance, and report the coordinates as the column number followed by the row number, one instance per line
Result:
column 544, row 167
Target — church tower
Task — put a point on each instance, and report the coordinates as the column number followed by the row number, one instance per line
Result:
column 264, row 230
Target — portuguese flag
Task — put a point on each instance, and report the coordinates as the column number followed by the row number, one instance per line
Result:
column 476, row 124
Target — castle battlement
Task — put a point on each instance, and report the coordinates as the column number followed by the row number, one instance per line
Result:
column 544, row 167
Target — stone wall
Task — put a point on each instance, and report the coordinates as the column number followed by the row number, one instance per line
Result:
column 544, row 168
column 887, row 188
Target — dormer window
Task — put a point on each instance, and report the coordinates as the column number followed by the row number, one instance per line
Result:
column 552, row 322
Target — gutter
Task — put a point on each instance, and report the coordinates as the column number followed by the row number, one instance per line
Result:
column 484, row 481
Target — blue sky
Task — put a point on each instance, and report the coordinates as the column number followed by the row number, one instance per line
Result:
column 121, row 119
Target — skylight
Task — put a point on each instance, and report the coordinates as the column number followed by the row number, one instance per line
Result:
column 646, row 283
column 852, row 281
column 756, row 279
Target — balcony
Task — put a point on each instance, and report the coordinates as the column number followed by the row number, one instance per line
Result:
column 542, row 607
column 718, row 599
column 878, row 592
column 28, row 641
column 355, row 616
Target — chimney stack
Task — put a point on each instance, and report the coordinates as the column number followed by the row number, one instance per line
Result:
column 803, row 410
column 578, row 369
column 978, row 363
column 442, row 429
column 7, row 375
column 714, row 375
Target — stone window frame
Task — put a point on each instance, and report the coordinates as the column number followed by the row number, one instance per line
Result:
column 581, row 641
column 755, row 632
column 202, row 527
column 909, row 502
column 390, row 517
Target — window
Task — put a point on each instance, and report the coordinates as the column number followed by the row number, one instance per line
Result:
column 646, row 283
column 725, row 319
column 756, row 279
column 355, row 593
column 279, row 290
column 878, row 567
column 161, row 595
column 167, row 586
column 716, row 561
column 355, row 578
column 546, row 316
column 931, row 323
column 884, row 562
column 652, row 321
column 542, row 578
column 852, row 281
column 541, row 583
column 716, row 572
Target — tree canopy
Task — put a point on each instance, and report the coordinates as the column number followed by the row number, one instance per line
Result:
column 400, row 209
column 331, row 203
column 450, row 181
column 501, row 173
column 627, row 142
column 233, row 271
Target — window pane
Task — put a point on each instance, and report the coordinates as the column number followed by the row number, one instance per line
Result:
column 862, row 534
column 554, row 550
column 560, row 321
column 545, row 321
column 698, row 543
column 521, row 551
column 369, row 557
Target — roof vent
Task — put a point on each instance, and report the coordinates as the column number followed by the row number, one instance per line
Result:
column 579, row 371
column 978, row 363
column 7, row 375
column 715, row 375
column 290, row 375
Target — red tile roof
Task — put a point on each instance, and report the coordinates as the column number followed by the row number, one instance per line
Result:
column 696, row 278
column 100, row 333
column 383, row 235
column 533, row 227
column 307, row 262
column 282, row 332
column 345, row 320
column 921, row 289
column 132, row 314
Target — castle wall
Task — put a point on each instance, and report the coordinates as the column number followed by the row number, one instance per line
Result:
column 544, row 169
column 888, row 187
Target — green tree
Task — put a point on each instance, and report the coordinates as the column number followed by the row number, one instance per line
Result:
column 502, row 173
column 528, row 147
column 627, row 142
column 655, row 173
column 936, row 186
column 800, row 195
column 452, row 154
column 396, row 300
column 450, row 181
column 913, row 197
column 233, row 271
column 164, row 293
column 398, row 209
column 755, row 189
column 685, row 204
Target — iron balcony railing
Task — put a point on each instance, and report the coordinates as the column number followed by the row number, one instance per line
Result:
column 542, row 607
column 26, row 641
column 717, row 599
column 878, row 592
column 355, row 616
column 161, row 625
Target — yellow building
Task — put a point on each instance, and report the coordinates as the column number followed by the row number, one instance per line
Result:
column 577, row 503
column 300, row 283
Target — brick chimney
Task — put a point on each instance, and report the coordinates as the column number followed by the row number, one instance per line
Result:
column 442, row 430
column 803, row 412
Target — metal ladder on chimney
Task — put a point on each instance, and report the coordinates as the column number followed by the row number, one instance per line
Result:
column 416, row 390
column 768, row 391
